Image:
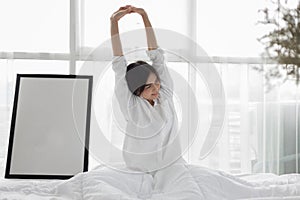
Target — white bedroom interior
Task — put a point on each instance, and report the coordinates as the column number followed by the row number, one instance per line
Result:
column 261, row 129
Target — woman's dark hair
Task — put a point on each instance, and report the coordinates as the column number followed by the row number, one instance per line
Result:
column 137, row 75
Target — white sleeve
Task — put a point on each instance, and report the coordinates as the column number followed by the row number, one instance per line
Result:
column 124, row 96
column 159, row 63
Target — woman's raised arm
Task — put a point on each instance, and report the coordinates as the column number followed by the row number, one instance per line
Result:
column 156, row 54
column 114, row 29
column 151, row 39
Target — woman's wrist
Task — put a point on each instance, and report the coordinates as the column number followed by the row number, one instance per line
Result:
column 113, row 20
column 144, row 15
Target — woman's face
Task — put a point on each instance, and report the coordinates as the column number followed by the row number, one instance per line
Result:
column 151, row 89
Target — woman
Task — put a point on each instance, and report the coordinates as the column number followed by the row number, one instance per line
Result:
column 145, row 96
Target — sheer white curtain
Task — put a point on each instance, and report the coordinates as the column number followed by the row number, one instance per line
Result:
column 282, row 129
column 261, row 129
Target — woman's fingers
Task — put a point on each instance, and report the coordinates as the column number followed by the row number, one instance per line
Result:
column 124, row 7
column 121, row 12
column 129, row 7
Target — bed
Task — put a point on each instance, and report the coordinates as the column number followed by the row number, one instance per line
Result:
column 179, row 181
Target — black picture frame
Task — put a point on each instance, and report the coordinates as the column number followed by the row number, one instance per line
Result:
column 22, row 107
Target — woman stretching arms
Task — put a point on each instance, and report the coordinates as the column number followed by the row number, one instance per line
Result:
column 145, row 96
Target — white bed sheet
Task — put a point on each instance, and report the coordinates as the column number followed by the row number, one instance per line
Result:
column 178, row 182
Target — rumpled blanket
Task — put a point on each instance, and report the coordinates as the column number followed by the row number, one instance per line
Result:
column 178, row 181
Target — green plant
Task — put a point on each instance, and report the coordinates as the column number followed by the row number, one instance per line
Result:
column 282, row 44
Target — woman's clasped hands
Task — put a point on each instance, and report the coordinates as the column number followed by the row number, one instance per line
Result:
column 124, row 10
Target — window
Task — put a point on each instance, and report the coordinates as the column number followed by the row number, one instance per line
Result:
column 57, row 36
column 34, row 26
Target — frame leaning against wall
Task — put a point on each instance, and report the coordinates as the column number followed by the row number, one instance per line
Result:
column 49, row 135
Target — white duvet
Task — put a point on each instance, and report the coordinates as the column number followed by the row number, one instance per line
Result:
column 180, row 181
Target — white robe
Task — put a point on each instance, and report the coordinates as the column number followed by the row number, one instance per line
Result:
column 152, row 140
